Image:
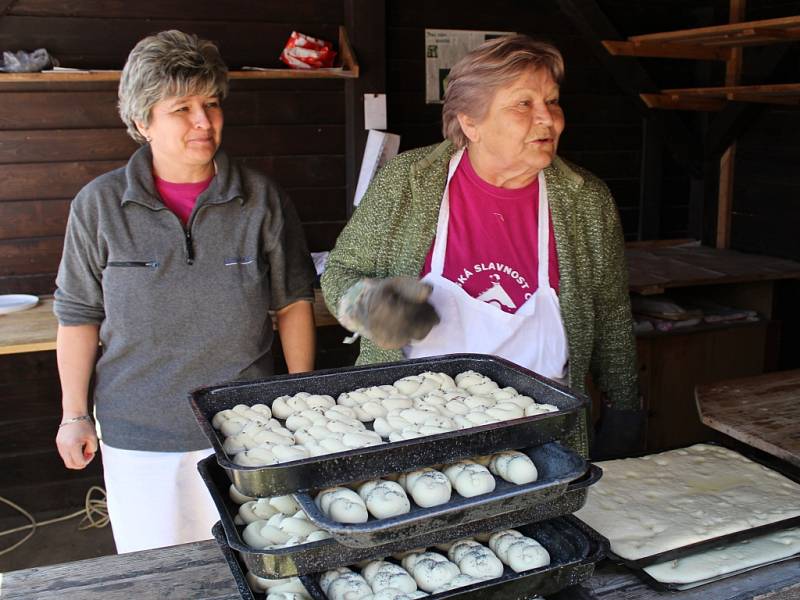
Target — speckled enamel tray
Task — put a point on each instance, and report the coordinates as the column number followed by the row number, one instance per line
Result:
column 366, row 463
column 574, row 549
column 557, row 467
column 327, row 554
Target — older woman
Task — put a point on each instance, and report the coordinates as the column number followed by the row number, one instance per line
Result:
column 520, row 254
column 171, row 263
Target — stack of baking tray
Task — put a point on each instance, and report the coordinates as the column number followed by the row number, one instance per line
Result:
column 564, row 478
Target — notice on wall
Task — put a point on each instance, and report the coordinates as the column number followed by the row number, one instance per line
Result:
column 443, row 49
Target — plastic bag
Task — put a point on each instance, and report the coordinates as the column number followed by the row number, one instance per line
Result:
column 305, row 52
column 27, row 62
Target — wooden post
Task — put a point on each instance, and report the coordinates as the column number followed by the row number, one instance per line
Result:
column 733, row 72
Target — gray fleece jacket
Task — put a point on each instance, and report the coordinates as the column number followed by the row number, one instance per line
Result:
column 178, row 308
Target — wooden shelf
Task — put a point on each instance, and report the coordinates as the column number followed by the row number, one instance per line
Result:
column 716, row 98
column 348, row 70
column 707, row 43
column 720, row 42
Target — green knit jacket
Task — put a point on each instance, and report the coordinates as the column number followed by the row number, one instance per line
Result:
column 392, row 230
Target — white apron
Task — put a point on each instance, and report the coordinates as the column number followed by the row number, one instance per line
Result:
column 533, row 337
column 156, row 499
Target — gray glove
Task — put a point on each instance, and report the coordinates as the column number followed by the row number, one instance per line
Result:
column 391, row 312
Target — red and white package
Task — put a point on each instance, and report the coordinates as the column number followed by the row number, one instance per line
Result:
column 305, row 52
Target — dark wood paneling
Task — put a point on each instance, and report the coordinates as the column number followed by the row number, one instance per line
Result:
column 301, row 171
column 27, row 256
column 28, row 284
column 33, row 218
column 320, row 204
column 92, row 110
column 50, row 181
column 322, row 236
column 113, row 144
column 276, row 11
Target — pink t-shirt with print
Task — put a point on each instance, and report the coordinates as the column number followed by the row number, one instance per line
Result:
column 180, row 198
column 492, row 240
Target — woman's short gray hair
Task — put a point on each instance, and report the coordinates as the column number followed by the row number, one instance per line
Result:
column 170, row 63
column 474, row 79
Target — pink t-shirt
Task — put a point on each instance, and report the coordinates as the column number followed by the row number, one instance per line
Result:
column 180, row 198
column 492, row 240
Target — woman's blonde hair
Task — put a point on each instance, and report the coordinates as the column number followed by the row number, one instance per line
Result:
column 473, row 81
column 170, row 63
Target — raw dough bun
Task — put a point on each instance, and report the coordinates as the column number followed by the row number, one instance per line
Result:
column 289, row 453
column 256, row 510
column 292, row 586
column 318, row 535
column 320, row 403
column 470, row 479
column 427, row 487
column 514, row 467
column 268, row 436
column 458, row 581
column 432, row 573
column 343, row 505
column 475, row 383
column 287, row 596
column 526, row 554
column 505, row 411
column 257, row 457
column 233, row 425
column 298, row 528
column 539, row 409
column 260, row 534
column 237, row 496
column 500, row 541
column 384, row 499
column 349, row 587
column 480, row 563
column 381, row 575
column 457, row 550
column 262, row 584
column 328, row 577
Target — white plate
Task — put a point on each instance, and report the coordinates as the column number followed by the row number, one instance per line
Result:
column 14, row 302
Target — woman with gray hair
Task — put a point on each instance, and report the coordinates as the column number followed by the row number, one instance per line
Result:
column 171, row 264
column 491, row 243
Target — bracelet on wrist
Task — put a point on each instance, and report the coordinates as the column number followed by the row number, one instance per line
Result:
column 75, row 420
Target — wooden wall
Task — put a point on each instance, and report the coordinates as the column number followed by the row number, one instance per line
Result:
column 54, row 138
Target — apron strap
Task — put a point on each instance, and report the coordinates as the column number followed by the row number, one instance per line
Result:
column 440, row 241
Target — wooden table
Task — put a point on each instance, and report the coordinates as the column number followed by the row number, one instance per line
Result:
column 761, row 411
column 198, row 572
column 34, row 330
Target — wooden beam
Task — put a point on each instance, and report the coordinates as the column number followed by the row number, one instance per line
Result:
column 721, row 33
column 679, row 102
column 688, row 51
column 733, row 75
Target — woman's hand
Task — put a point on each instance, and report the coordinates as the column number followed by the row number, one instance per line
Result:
column 77, row 444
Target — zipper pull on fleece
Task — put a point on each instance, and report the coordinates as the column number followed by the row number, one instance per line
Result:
column 189, row 247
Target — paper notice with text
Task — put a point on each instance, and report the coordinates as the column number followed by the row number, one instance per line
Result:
column 443, row 49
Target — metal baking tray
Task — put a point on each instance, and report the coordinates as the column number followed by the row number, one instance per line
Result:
column 327, row 554
column 744, row 534
column 680, row 587
column 367, row 463
column 574, row 549
column 556, row 464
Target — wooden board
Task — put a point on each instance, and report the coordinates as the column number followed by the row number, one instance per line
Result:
column 762, row 411
column 198, row 571
column 34, row 330
column 652, row 270
column 30, row 330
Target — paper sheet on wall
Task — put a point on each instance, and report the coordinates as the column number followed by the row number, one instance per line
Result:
column 443, row 49
column 380, row 148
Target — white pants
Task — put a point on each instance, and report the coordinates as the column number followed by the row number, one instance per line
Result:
column 156, row 499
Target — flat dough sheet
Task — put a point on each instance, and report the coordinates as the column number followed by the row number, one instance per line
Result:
column 728, row 559
column 649, row 505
